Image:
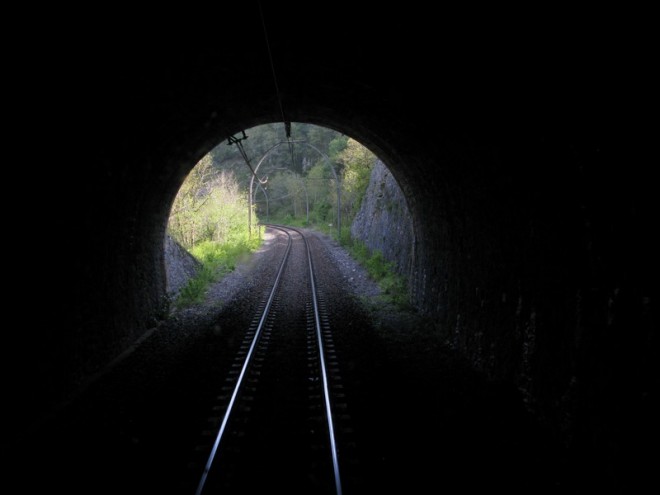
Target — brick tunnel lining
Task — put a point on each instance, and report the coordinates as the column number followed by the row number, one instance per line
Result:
column 530, row 268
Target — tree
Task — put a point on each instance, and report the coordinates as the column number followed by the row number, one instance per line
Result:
column 357, row 162
column 209, row 206
column 300, row 181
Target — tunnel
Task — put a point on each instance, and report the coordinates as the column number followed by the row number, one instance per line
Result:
column 517, row 148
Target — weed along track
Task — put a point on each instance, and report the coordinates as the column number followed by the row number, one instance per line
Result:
column 277, row 413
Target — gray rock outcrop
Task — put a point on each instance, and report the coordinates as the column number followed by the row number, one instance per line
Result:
column 180, row 266
column 383, row 222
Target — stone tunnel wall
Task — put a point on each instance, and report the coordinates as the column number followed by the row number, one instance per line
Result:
column 530, row 199
column 533, row 273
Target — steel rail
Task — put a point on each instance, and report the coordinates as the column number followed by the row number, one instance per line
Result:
column 324, row 374
column 239, row 382
column 248, row 359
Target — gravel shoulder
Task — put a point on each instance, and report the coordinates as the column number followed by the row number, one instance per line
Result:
column 406, row 336
column 354, row 277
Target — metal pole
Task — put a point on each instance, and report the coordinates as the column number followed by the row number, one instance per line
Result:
column 338, row 188
column 268, row 152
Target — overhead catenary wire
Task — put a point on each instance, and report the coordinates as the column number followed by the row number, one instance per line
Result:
column 287, row 124
column 278, row 94
column 239, row 144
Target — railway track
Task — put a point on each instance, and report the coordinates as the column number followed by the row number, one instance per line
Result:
column 275, row 419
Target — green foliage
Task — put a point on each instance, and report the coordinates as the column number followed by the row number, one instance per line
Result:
column 336, row 146
column 392, row 285
column 217, row 260
column 322, row 213
column 262, row 138
column 209, row 207
column 345, row 237
column 209, row 217
column 193, row 292
column 223, row 257
column 298, row 175
column 358, row 162
column 293, row 222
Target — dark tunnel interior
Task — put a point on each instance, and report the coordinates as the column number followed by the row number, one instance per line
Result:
column 518, row 147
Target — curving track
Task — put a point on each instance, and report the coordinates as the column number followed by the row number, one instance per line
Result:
column 276, row 430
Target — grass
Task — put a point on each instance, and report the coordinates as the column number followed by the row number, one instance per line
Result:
column 217, row 259
column 392, row 285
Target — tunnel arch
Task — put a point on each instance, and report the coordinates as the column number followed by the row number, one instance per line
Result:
column 445, row 171
column 382, row 148
column 521, row 160
column 256, row 159
column 439, row 196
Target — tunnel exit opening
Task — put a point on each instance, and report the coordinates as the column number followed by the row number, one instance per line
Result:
column 298, row 174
